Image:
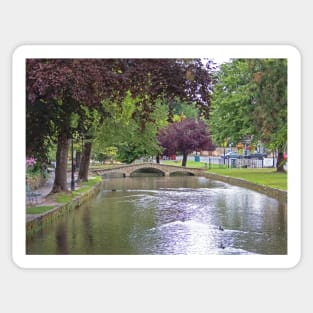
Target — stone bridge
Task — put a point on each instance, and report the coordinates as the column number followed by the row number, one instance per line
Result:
column 167, row 170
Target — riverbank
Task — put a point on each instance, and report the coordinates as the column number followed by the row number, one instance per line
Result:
column 267, row 177
column 264, row 180
column 52, row 208
column 269, row 191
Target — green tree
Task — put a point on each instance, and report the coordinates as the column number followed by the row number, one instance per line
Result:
column 127, row 134
column 269, row 88
column 230, row 118
column 250, row 99
column 62, row 87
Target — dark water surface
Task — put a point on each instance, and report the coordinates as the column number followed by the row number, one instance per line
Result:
column 169, row 215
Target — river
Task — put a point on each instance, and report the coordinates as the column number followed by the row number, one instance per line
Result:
column 168, row 215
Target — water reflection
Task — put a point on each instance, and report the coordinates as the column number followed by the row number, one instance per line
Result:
column 169, row 215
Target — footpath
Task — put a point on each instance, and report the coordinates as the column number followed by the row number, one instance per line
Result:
column 44, row 190
column 42, row 193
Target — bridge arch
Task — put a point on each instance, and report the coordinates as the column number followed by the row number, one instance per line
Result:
column 147, row 170
column 166, row 170
column 181, row 173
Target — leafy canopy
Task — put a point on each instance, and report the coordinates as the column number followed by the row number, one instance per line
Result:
column 250, row 99
column 185, row 137
column 58, row 88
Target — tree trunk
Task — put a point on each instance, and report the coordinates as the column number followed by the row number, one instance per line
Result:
column 280, row 162
column 184, row 162
column 158, row 159
column 60, row 179
column 84, row 163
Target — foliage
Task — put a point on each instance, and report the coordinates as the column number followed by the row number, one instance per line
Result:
column 32, row 166
column 183, row 109
column 59, row 89
column 189, row 110
column 185, row 137
column 30, row 162
column 34, row 172
column 63, row 94
column 250, row 101
column 104, row 154
column 126, row 133
column 55, row 91
column 231, row 119
column 184, row 79
column 269, row 87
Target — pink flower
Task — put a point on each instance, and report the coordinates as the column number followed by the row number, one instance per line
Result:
column 30, row 161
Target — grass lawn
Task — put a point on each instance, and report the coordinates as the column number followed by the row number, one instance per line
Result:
column 38, row 209
column 262, row 176
column 83, row 187
column 192, row 164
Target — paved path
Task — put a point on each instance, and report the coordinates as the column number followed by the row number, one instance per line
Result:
column 46, row 188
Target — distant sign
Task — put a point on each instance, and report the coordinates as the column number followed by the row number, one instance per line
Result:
column 267, row 162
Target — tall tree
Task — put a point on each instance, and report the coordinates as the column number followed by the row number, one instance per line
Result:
column 185, row 137
column 65, row 85
column 269, row 87
column 230, row 117
column 250, row 99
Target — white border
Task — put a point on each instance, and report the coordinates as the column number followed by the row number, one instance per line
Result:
column 156, row 51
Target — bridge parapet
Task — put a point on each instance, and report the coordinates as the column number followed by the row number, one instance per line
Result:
column 167, row 170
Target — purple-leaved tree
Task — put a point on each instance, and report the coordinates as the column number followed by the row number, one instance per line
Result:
column 185, row 137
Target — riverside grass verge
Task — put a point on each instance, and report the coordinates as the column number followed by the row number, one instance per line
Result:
column 65, row 197
column 261, row 176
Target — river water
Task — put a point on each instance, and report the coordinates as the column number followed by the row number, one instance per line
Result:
column 168, row 215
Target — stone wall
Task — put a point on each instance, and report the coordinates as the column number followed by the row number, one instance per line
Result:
column 271, row 192
column 37, row 222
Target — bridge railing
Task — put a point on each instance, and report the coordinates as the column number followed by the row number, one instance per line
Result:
column 128, row 169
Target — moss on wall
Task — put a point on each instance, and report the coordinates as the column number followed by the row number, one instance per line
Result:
column 37, row 222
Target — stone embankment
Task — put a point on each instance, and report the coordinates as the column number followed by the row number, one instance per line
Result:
column 35, row 222
column 271, row 192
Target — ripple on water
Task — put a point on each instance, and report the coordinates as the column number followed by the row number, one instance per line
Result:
column 191, row 237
